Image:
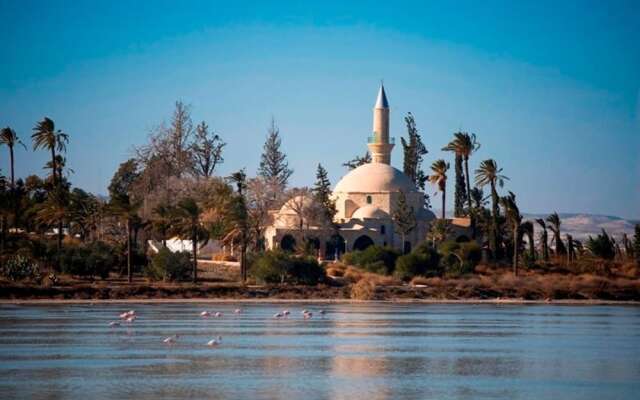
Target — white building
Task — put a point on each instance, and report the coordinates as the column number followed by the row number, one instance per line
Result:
column 365, row 198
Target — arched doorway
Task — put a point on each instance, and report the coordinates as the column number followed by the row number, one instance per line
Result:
column 312, row 245
column 288, row 243
column 335, row 247
column 362, row 242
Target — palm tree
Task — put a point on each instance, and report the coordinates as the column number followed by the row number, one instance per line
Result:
column 162, row 218
column 554, row 225
column 464, row 144
column 240, row 218
column 514, row 218
column 489, row 174
column 9, row 138
column 528, row 229
column 122, row 207
column 46, row 136
column 544, row 239
column 188, row 225
column 439, row 178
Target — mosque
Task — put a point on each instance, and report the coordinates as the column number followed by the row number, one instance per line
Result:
column 365, row 199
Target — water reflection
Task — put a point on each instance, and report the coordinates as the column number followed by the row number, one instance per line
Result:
column 370, row 351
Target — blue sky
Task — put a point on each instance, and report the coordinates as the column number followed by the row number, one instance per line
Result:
column 552, row 89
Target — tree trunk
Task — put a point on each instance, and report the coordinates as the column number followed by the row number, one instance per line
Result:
column 473, row 223
column 515, row 250
column 194, row 244
column 444, row 192
column 493, row 237
column 532, row 248
column 129, row 272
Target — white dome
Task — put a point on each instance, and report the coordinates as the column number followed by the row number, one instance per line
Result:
column 370, row 211
column 295, row 204
column 374, row 177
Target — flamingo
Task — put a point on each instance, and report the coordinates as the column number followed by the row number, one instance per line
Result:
column 308, row 315
column 278, row 315
column 214, row 342
column 205, row 314
column 286, row 312
column 218, row 314
column 321, row 312
column 170, row 339
column 114, row 323
column 130, row 318
column 237, row 311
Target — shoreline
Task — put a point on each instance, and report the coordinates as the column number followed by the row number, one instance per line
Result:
column 565, row 302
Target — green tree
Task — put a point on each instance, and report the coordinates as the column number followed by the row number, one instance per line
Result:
column 438, row 177
column 554, row 224
column 123, row 205
column 358, row 161
column 514, row 219
column 414, row 151
column 602, row 246
column 84, row 213
column 162, row 221
column 273, row 162
column 404, row 217
column 544, row 239
column 187, row 224
column 488, row 173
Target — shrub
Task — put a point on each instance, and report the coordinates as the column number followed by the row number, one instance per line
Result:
column 377, row 259
column 459, row 258
column 306, row 271
column 167, row 265
column 279, row 267
column 364, row 289
column 18, row 268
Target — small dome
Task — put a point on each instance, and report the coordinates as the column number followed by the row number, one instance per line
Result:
column 295, row 204
column 373, row 178
column 370, row 212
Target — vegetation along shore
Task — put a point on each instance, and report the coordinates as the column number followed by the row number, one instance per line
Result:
column 58, row 241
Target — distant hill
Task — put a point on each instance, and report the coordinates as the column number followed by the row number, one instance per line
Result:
column 580, row 226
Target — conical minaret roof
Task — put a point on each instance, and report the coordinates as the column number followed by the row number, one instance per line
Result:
column 382, row 102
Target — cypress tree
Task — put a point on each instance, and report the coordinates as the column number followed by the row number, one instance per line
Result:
column 273, row 162
column 460, row 195
column 322, row 193
column 404, row 218
column 414, row 150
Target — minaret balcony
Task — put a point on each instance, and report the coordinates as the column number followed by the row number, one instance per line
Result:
column 375, row 139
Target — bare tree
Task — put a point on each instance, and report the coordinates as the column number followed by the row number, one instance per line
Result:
column 206, row 151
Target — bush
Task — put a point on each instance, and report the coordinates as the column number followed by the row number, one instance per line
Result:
column 377, row 259
column 459, row 258
column 95, row 259
column 166, row 265
column 18, row 268
column 279, row 267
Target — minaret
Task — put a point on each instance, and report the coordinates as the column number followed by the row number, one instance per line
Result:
column 380, row 145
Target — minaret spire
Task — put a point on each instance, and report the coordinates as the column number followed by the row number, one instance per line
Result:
column 380, row 145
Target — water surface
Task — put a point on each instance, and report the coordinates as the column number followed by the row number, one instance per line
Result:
column 355, row 351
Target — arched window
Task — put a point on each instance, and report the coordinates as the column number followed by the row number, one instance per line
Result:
column 369, row 200
column 382, row 229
